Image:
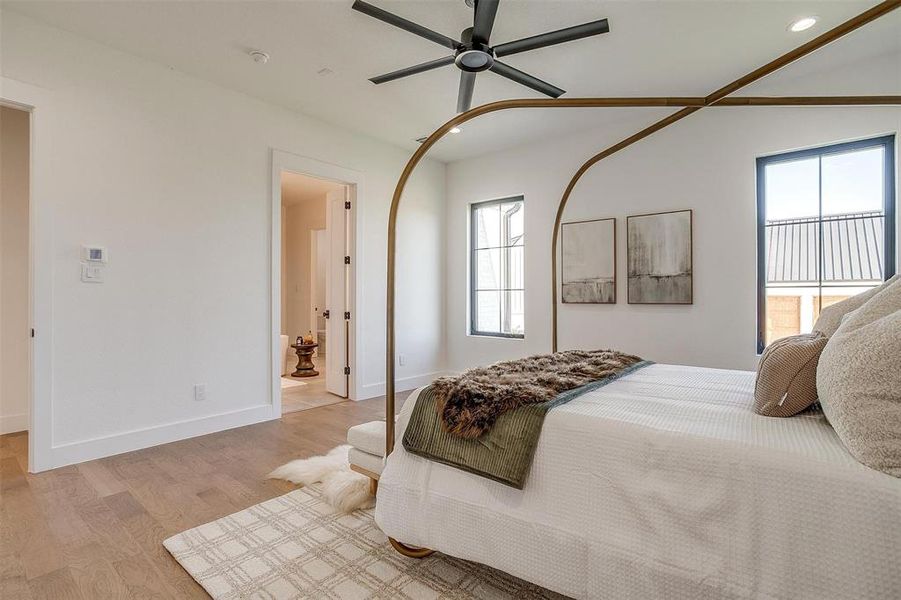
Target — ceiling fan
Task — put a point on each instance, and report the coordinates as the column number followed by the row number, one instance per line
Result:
column 474, row 53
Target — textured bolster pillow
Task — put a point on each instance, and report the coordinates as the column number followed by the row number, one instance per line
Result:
column 787, row 375
column 859, row 381
column 831, row 316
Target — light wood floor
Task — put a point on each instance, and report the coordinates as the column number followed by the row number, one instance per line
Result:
column 95, row 530
column 311, row 395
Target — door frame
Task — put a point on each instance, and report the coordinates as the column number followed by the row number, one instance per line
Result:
column 37, row 102
column 295, row 163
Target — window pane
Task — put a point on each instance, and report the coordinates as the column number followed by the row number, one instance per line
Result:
column 488, row 312
column 488, row 226
column 790, row 311
column 514, row 272
column 499, row 268
column 853, row 248
column 488, row 263
column 513, row 313
column 852, row 182
column 513, row 223
column 793, row 189
column 792, row 250
column 832, row 294
column 783, row 316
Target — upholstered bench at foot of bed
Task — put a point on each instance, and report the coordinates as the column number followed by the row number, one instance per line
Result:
column 367, row 451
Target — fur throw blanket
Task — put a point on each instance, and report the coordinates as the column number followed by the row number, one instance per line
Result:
column 470, row 403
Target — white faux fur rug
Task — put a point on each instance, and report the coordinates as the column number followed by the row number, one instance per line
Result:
column 342, row 488
column 287, row 382
column 296, row 546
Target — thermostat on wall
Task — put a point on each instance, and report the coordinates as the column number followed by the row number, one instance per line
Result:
column 95, row 254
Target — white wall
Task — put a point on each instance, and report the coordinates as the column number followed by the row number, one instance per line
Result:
column 14, row 325
column 706, row 163
column 172, row 174
column 301, row 219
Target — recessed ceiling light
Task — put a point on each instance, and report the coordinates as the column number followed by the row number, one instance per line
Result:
column 802, row 24
column 259, row 56
column 455, row 130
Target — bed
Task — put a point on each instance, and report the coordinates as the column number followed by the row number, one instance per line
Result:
column 664, row 484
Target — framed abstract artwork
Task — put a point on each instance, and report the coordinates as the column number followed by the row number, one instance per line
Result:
column 589, row 261
column 660, row 258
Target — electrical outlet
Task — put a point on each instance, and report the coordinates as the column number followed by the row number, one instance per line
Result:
column 401, row 359
column 200, row 392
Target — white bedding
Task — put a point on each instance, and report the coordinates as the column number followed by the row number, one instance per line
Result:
column 665, row 484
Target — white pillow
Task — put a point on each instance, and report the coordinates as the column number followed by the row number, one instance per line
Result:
column 859, row 381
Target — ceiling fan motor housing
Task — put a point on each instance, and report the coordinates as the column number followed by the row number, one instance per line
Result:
column 477, row 57
column 472, row 55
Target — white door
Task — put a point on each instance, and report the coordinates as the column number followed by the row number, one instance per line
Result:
column 318, row 268
column 336, row 284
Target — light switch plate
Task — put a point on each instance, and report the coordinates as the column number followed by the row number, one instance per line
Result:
column 91, row 273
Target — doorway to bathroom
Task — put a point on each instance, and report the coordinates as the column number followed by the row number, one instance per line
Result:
column 316, row 288
column 15, row 283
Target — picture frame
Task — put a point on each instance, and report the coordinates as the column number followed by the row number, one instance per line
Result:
column 588, row 261
column 659, row 263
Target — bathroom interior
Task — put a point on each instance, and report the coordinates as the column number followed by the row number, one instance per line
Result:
column 305, row 248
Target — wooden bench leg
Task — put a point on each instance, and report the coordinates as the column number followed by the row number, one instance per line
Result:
column 373, row 478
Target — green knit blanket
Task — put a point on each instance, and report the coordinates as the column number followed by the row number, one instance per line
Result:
column 505, row 452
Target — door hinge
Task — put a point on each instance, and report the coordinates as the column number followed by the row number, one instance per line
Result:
column 347, row 204
column 32, row 332
column 347, row 370
column 347, row 316
column 327, row 314
column 346, row 260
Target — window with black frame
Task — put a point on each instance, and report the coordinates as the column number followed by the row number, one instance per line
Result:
column 825, row 231
column 496, row 268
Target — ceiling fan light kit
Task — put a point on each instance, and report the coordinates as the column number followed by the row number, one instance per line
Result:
column 473, row 52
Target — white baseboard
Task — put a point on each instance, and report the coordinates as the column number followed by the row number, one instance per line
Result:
column 84, row 450
column 372, row 390
column 13, row 423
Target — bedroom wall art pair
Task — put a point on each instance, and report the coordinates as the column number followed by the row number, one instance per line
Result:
column 659, row 259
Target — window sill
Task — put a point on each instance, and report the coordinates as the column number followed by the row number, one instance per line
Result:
column 500, row 336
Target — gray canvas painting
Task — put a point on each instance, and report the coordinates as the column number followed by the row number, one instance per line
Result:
column 589, row 262
column 659, row 248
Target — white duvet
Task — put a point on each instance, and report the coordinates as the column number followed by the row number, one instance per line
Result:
column 665, row 484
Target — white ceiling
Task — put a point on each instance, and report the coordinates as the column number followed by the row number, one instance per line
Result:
column 665, row 47
column 300, row 189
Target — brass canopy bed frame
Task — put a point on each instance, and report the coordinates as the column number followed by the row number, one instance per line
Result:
column 688, row 105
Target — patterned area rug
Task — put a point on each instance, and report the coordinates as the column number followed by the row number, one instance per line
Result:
column 297, row 546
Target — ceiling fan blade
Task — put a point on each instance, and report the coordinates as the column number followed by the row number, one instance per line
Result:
column 420, row 68
column 464, row 97
column 483, row 21
column 569, row 34
column 526, row 79
column 392, row 19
